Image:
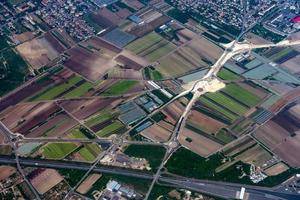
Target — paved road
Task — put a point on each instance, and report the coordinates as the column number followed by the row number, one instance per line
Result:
column 226, row 190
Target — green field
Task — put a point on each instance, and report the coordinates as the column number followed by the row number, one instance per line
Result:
column 101, row 117
column 152, row 74
column 281, row 54
column 120, row 88
column 54, row 91
column 226, row 74
column 108, row 130
column 13, row 70
column 152, row 46
column 229, row 115
column 86, row 154
column 227, row 102
column 52, row 131
column 154, row 154
column 76, row 134
column 58, row 150
column 79, row 91
column 241, row 94
column 90, row 152
column 224, row 136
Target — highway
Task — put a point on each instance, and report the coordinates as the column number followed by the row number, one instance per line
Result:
column 221, row 189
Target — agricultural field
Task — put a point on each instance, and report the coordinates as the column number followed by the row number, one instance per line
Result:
column 152, row 74
column 84, row 108
column 152, row 47
column 44, row 179
column 120, row 88
column 76, row 133
column 55, row 76
column 242, row 95
column 226, row 74
column 218, row 111
column 157, row 133
column 110, row 129
column 40, row 51
column 280, row 55
column 204, row 122
column 58, row 90
column 29, row 120
column 196, row 54
column 227, row 103
column 87, row 184
column 100, row 117
column 198, row 143
column 281, row 136
column 89, row 152
column 86, row 58
column 58, row 151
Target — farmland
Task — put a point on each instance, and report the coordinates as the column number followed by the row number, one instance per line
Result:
column 35, row 115
column 55, row 91
column 226, row 74
column 227, row 102
column 152, row 74
column 204, row 122
column 79, row 91
column 58, row 150
column 85, row 108
column 40, row 51
column 151, row 46
column 157, row 133
column 280, row 135
column 242, row 95
column 98, row 118
column 44, row 179
column 110, row 129
column 120, row 88
column 228, row 114
column 86, row 58
column 198, row 143
column 89, row 152
column 197, row 53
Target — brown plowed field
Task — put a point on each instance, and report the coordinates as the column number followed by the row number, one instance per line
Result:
column 157, row 133
column 204, row 122
column 198, row 144
column 23, row 118
column 90, row 64
column 82, row 109
column 290, row 96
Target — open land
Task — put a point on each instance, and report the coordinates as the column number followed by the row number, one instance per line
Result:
column 40, row 51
